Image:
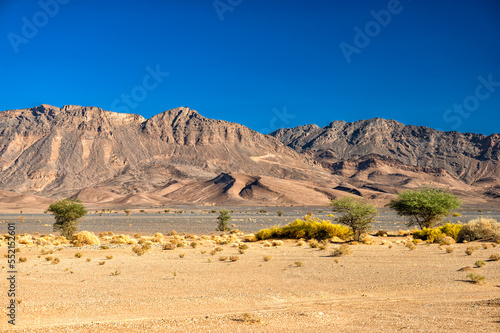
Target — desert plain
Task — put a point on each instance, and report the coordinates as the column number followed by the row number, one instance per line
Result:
column 280, row 286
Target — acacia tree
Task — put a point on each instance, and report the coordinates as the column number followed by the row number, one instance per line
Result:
column 223, row 218
column 67, row 214
column 356, row 215
column 424, row 207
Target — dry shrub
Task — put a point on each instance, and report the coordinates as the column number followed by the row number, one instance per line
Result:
column 169, row 246
column 403, row 232
column 298, row 263
column 78, row 255
column 267, row 258
column 313, row 243
column 55, row 261
column 102, row 263
column 26, row 240
column 381, row 233
column 367, row 240
column 411, row 246
column 122, row 239
column 481, row 228
column 300, row 243
column 447, row 240
column 193, row 245
column 266, row 244
column 470, row 250
column 181, row 255
column 495, row 257
column 486, row 246
column 277, row 243
column 157, row 238
column 221, row 258
column 109, row 257
column 342, row 250
column 104, row 247
column 450, row 249
column 85, row 238
column 23, row 259
column 234, row 258
column 140, row 250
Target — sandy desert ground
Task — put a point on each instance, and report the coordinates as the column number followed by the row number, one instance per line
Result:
column 377, row 288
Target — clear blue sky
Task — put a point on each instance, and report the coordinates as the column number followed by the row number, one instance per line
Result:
column 262, row 56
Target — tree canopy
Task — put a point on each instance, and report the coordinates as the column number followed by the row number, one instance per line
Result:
column 356, row 215
column 424, row 207
column 67, row 214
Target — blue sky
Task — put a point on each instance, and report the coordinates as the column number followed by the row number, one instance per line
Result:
column 264, row 64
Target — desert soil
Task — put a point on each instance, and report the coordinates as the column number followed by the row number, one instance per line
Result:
column 374, row 289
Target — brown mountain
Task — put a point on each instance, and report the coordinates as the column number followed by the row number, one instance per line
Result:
column 179, row 156
column 57, row 152
column 385, row 155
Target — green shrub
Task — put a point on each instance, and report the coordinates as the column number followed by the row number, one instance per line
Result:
column 481, row 228
column 308, row 228
column 475, row 278
column 480, row 263
column 436, row 235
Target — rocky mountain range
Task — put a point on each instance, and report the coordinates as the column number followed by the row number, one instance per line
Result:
column 179, row 156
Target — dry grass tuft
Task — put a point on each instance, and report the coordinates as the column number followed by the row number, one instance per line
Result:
column 267, row 258
column 495, row 257
column 85, row 238
column 250, row 319
column 450, row 249
column 342, row 250
column 78, row 255
column 234, row 258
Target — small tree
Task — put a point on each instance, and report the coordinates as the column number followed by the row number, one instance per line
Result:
column 424, row 207
column 280, row 212
column 356, row 215
column 67, row 214
column 223, row 218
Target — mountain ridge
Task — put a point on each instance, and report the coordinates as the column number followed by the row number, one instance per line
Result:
column 179, row 155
